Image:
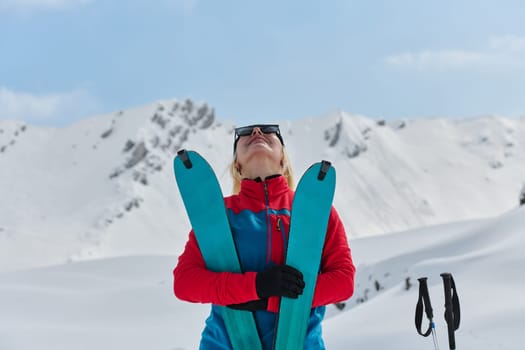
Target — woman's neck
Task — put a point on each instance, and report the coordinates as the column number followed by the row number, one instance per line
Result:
column 261, row 169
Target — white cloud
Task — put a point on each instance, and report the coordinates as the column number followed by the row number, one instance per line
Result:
column 32, row 5
column 508, row 43
column 436, row 58
column 46, row 108
column 499, row 52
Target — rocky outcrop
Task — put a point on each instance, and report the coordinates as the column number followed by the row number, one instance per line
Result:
column 348, row 135
column 163, row 135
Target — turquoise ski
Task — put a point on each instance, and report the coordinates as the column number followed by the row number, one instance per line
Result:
column 204, row 202
column 311, row 208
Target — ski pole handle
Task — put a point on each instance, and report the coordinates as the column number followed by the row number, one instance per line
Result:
column 424, row 303
column 452, row 314
column 426, row 297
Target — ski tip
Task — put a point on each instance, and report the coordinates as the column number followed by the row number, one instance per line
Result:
column 325, row 166
column 183, row 155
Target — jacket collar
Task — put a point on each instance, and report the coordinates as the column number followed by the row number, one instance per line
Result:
column 273, row 186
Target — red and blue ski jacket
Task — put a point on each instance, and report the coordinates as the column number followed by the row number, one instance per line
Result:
column 259, row 218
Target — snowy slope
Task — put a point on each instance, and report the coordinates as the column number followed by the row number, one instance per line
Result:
column 70, row 193
column 127, row 302
column 486, row 260
column 104, row 187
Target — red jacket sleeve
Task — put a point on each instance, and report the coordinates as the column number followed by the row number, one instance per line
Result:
column 193, row 282
column 335, row 282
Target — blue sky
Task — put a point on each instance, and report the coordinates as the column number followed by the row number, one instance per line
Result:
column 61, row 60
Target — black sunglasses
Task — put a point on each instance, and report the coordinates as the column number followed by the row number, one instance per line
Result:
column 248, row 130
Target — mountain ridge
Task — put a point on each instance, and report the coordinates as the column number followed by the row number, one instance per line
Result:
column 104, row 186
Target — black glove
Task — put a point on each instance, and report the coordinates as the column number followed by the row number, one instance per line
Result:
column 254, row 305
column 280, row 280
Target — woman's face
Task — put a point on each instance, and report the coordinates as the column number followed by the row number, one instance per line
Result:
column 261, row 145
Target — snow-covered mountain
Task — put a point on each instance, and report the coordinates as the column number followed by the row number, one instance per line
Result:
column 104, row 187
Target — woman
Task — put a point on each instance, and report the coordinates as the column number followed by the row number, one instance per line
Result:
column 259, row 217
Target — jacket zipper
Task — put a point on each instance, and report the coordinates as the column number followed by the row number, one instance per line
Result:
column 268, row 224
column 280, row 228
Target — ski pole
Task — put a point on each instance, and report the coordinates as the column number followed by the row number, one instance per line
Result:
column 452, row 313
column 423, row 302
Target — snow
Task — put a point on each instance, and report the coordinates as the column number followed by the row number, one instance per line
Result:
column 91, row 225
column 119, row 303
column 127, row 303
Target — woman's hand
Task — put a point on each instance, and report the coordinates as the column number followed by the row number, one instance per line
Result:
column 280, row 280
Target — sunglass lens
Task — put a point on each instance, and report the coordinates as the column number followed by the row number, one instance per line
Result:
column 244, row 131
column 268, row 129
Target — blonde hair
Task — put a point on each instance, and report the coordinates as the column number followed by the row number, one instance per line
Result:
column 287, row 173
